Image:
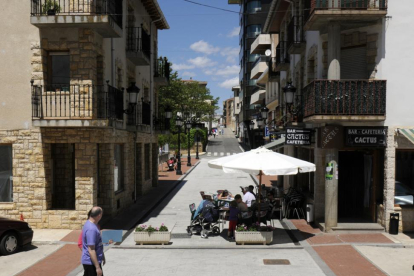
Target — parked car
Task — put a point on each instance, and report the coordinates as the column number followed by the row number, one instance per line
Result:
column 13, row 235
column 404, row 195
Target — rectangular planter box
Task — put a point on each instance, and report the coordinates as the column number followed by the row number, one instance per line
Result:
column 152, row 238
column 254, row 237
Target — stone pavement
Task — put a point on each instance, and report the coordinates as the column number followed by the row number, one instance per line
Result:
column 55, row 251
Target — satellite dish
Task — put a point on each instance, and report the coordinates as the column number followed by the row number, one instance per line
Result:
column 268, row 52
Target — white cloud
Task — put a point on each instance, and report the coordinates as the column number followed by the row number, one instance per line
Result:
column 231, row 59
column 188, row 74
column 230, row 51
column 202, row 62
column 225, row 71
column 234, row 32
column 203, row 47
column 182, row 66
column 229, row 83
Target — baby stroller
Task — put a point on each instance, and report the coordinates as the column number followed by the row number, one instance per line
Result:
column 206, row 221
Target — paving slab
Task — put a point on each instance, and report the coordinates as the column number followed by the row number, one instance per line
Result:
column 394, row 261
column 49, row 235
column 28, row 256
column 197, row 261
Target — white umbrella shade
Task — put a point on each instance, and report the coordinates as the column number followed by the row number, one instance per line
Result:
column 262, row 161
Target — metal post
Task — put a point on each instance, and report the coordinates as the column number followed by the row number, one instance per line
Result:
column 331, row 196
column 188, row 151
column 197, row 146
column 178, row 171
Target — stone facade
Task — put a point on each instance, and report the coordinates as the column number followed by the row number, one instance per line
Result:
column 34, row 186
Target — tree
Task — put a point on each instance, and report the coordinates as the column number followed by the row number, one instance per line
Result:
column 187, row 97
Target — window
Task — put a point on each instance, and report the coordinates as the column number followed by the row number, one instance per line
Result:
column 254, row 6
column 404, row 177
column 63, row 176
column 118, row 167
column 6, row 173
column 59, row 69
column 253, row 31
column 147, row 161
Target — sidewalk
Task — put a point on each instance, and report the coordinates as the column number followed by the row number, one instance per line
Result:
column 64, row 258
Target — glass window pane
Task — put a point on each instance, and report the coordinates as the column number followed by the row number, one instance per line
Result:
column 60, row 69
column 6, row 173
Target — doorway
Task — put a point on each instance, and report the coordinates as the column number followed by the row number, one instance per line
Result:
column 354, row 186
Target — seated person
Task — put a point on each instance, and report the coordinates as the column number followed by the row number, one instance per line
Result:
column 240, row 204
column 224, row 195
column 271, row 199
column 245, row 214
column 201, row 205
column 248, row 196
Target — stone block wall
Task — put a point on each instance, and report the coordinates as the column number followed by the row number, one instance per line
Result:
column 32, row 174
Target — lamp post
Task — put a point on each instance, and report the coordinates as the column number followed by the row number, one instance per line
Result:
column 133, row 92
column 178, row 124
column 188, row 127
column 251, row 126
column 289, row 90
column 168, row 116
column 264, row 112
column 197, row 129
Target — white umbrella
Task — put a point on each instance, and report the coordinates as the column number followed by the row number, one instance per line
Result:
column 262, row 161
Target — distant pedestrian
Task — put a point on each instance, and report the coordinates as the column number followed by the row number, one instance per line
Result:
column 214, row 134
column 93, row 257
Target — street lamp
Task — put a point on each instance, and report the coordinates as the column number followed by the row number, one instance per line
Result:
column 188, row 127
column 251, row 125
column 133, row 92
column 289, row 90
column 259, row 122
column 264, row 111
column 198, row 125
column 178, row 124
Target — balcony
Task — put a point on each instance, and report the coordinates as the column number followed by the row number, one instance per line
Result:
column 138, row 49
column 162, row 71
column 259, row 67
column 76, row 105
column 104, row 16
column 296, row 43
column 344, row 100
column 140, row 119
column 350, row 13
column 261, row 44
column 282, row 57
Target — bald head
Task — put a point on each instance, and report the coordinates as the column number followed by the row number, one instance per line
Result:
column 96, row 211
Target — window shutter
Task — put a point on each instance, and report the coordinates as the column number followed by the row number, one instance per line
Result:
column 354, row 63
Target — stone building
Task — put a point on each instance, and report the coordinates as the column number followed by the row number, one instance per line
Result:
column 228, row 114
column 344, row 58
column 71, row 136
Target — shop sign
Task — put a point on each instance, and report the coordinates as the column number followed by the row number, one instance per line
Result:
column 366, row 136
column 331, row 137
column 298, row 136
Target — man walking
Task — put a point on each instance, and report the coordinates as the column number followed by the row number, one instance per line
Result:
column 92, row 247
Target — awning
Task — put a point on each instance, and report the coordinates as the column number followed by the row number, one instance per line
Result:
column 408, row 133
column 275, row 144
column 257, row 97
column 263, row 77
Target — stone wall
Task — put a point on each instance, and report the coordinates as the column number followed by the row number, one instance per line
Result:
column 32, row 174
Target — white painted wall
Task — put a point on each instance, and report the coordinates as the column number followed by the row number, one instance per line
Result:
column 397, row 65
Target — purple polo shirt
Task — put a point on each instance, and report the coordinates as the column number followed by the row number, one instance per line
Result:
column 91, row 236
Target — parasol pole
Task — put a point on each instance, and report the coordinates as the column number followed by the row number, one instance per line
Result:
column 260, row 192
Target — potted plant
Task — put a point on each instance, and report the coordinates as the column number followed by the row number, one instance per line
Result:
column 254, row 234
column 51, row 7
column 149, row 235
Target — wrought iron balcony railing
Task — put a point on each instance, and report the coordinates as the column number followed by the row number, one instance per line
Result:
column 138, row 40
column 349, row 4
column 162, row 68
column 295, row 34
column 282, row 55
column 76, row 101
column 344, row 97
column 141, row 115
column 113, row 8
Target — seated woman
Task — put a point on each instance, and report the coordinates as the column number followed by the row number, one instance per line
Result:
column 224, row 195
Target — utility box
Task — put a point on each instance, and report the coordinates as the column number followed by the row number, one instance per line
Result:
column 309, row 212
column 394, row 222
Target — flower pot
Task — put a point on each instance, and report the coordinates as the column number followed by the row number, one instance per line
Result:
column 254, row 237
column 51, row 12
column 152, row 237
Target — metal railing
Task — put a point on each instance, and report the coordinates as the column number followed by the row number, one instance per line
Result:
column 282, row 55
column 113, row 8
column 138, row 41
column 162, row 68
column 261, row 58
column 349, row 4
column 76, row 101
column 344, row 97
column 295, row 34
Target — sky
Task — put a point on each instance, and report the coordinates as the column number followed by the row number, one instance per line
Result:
column 203, row 43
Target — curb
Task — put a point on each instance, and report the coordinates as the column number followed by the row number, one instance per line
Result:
column 255, row 247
